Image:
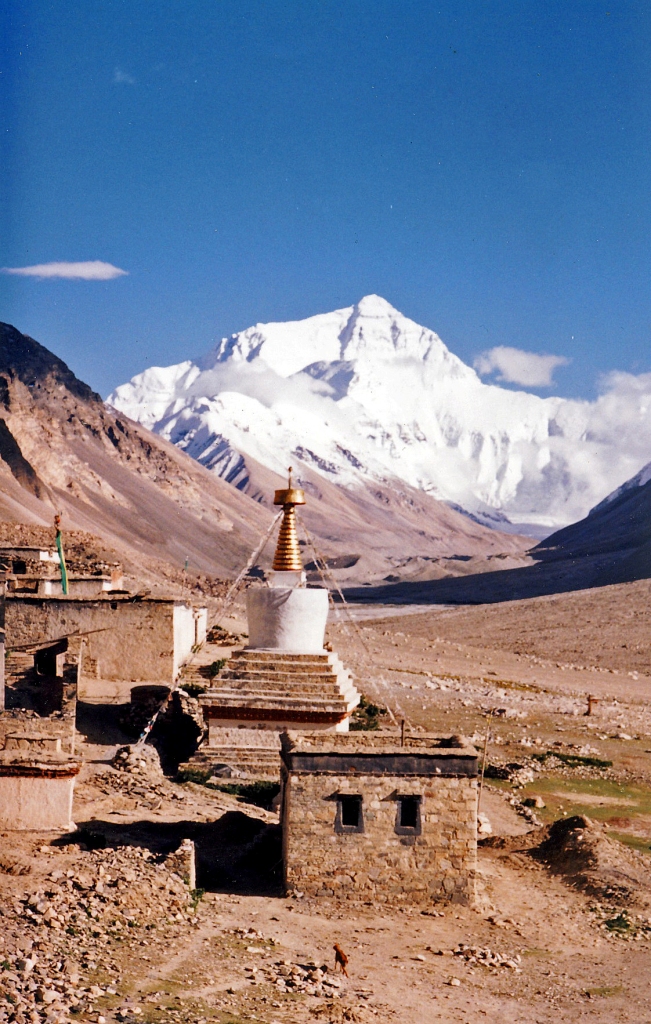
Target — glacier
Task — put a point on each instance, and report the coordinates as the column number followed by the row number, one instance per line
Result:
column 366, row 393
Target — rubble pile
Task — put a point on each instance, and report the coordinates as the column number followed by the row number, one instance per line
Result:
column 142, row 761
column 476, row 955
column 566, row 765
column 310, row 978
column 579, row 848
column 221, row 637
column 136, row 773
column 57, row 940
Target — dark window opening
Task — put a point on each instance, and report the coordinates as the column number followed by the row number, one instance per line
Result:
column 409, row 811
column 408, row 815
column 19, row 567
column 350, row 808
column 349, row 814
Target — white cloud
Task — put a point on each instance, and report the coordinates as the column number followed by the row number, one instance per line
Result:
column 121, row 77
column 513, row 366
column 90, row 270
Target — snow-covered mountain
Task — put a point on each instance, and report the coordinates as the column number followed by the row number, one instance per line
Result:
column 366, row 393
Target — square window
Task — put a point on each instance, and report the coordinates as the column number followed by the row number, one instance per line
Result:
column 349, row 817
column 408, row 816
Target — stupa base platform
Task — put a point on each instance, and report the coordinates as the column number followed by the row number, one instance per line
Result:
column 258, row 695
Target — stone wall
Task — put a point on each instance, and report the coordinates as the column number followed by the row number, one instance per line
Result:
column 142, row 641
column 434, row 861
column 41, row 699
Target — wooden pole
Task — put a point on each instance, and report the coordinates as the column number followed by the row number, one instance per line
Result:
column 483, row 764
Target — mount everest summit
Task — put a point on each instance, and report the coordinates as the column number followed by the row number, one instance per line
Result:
column 364, row 394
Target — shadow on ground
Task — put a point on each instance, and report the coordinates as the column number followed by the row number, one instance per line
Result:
column 236, row 854
column 100, row 723
column 553, row 576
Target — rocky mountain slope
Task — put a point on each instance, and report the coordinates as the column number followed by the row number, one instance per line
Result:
column 62, row 449
column 364, row 394
column 618, row 528
column 612, row 544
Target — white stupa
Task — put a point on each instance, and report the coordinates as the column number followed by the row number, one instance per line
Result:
column 284, row 678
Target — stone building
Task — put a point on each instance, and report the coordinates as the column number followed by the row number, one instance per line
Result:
column 128, row 640
column 35, row 569
column 369, row 819
column 37, row 736
column 284, row 678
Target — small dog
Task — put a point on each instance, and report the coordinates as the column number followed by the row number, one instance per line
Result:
column 341, row 959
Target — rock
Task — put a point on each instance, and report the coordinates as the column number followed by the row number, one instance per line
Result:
column 484, row 827
column 454, row 982
column 45, row 995
column 14, row 864
column 183, row 862
column 534, row 801
column 139, row 760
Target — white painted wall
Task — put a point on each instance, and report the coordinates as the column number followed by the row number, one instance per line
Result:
column 287, row 619
column 36, row 803
column 184, row 632
column 200, row 624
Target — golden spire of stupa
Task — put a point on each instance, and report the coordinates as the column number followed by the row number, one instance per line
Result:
column 288, row 553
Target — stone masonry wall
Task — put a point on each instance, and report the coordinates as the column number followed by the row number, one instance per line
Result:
column 378, row 864
column 135, row 645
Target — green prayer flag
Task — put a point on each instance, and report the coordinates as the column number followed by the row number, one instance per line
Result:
column 62, row 563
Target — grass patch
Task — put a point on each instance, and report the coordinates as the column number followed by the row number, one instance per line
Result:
column 638, row 843
column 260, row 793
column 563, row 794
column 573, row 760
column 192, row 689
column 198, row 775
column 366, row 716
column 215, row 668
column 605, row 990
column 512, row 684
column 196, row 895
column 619, row 924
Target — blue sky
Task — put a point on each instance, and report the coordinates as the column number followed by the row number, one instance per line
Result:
column 485, row 166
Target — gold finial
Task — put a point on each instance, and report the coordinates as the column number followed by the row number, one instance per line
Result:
column 288, row 553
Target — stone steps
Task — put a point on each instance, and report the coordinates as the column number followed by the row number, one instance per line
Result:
column 258, row 763
column 300, row 668
column 249, row 653
column 275, row 702
column 289, row 686
column 300, row 678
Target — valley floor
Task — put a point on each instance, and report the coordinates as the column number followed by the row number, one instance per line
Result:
column 145, row 949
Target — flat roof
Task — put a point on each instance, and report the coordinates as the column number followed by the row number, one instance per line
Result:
column 104, row 597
